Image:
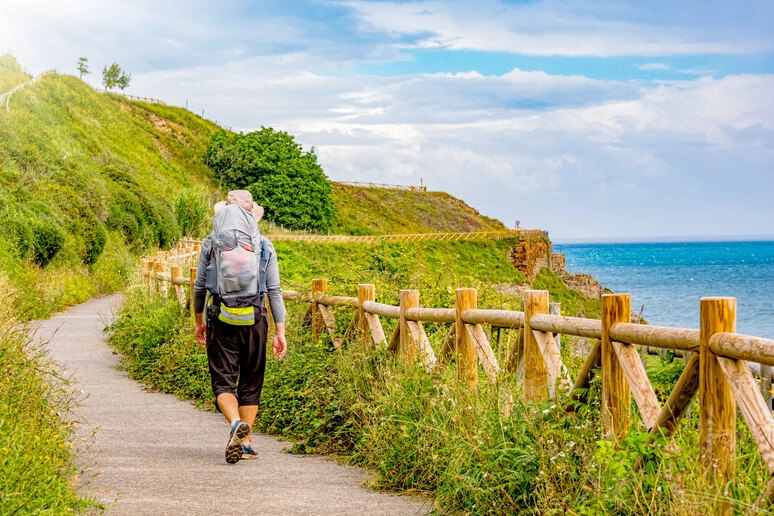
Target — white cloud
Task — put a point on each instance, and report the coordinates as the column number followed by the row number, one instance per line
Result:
column 542, row 29
column 652, row 67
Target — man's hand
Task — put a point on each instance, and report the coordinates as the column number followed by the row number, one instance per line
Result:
column 201, row 329
column 280, row 346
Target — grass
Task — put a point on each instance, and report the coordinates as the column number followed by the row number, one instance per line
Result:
column 474, row 452
column 377, row 211
column 36, row 429
column 87, row 181
column 11, row 73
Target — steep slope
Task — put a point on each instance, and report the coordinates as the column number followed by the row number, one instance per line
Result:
column 11, row 74
column 85, row 179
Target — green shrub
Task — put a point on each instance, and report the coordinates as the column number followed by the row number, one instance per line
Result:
column 285, row 180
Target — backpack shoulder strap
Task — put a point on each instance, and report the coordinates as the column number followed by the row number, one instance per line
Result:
column 264, row 265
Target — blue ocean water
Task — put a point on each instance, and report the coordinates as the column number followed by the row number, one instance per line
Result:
column 667, row 280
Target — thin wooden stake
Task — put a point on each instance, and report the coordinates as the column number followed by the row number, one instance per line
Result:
column 680, row 398
column 593, row 359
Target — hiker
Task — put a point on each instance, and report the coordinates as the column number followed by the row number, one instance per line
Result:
column 235, row 327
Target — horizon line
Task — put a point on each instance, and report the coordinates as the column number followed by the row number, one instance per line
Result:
column 673, row 239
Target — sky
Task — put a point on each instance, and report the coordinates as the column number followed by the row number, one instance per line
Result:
column 592, row 120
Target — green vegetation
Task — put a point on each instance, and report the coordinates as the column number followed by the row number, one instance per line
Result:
column 379, row 211
column 36, row 434
column 11, row 73
column 114, row 77
column 88, row 179
column 481, row 452
column 83, row 67
column 87, row 182
column 289, row 183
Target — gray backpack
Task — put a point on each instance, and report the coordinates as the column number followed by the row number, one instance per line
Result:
column 236, row 246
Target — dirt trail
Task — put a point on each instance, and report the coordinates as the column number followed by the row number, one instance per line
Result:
column 154, row 454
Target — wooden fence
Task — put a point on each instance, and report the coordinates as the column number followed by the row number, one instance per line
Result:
column 717, row 369
column 147, row 100
column 414, row 237
column 410, row 188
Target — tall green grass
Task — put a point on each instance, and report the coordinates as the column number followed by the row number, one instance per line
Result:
column 37, row 426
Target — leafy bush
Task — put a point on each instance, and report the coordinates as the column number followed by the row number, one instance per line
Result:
column 285, row 180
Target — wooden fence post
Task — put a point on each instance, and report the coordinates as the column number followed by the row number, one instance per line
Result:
column 717, row 407
column 159, row 267
column 319, row 286
column 192, row 279
column 616, row 396
column 176, row 273
column 407, row 348
column 467, row 361
column 535, row 371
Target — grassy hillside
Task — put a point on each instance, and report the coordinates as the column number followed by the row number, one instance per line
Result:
column 11, row 73
column 87, row 178
column 377, row 211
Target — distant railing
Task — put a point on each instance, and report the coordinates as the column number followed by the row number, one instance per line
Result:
column 147, row 100
column 717, row 369
column 412, row 237
column 410, row 188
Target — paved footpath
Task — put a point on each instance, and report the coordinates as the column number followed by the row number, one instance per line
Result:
column 155, row 454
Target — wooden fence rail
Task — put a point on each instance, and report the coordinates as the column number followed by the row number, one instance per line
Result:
column 412, row 237
column 717, row 369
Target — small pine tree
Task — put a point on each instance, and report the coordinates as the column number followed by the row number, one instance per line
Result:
column 83, row 67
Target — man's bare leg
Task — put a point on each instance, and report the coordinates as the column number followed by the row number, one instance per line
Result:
column 229, row 405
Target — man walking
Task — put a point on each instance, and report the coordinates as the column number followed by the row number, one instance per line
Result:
column 235, row 327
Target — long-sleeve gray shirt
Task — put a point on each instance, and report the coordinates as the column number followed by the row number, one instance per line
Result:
column 273, row 288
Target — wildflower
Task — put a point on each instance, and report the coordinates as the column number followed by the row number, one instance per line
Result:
column 546, row 411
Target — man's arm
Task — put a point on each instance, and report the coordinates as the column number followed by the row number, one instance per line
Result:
column 280, row 345
column 200, row 291
column 274, row 292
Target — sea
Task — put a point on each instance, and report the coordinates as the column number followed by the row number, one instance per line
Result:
column 667, row 280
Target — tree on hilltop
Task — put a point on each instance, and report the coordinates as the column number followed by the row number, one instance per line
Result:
column 288, row 182
column 113, row 76
column 83, row 67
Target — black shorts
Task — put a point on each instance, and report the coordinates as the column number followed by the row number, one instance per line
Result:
column 237, row 358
